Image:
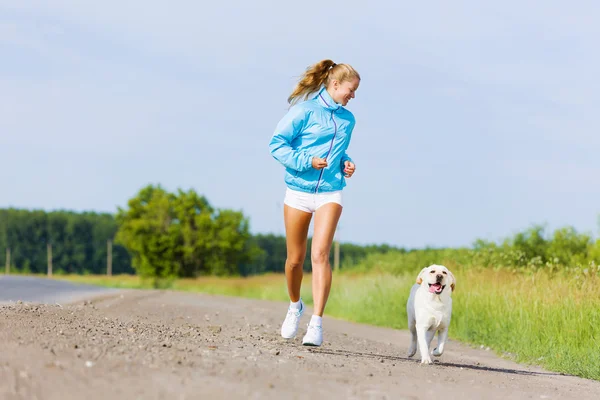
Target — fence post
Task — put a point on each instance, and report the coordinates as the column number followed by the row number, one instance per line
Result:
column 49, row 249
column 109, row 257
column 7, row 261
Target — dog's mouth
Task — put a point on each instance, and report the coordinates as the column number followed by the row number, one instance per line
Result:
column 436, row 288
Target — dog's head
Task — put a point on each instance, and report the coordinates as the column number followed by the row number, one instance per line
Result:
column 435, row 278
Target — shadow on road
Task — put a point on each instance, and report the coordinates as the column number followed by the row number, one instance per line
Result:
column 348, row 353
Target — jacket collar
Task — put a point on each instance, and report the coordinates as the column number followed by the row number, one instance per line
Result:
column 324, row 99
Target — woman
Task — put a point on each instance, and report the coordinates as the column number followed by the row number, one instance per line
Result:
column 311, row 142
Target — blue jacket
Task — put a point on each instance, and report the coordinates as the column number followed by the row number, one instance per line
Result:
column 318, row 127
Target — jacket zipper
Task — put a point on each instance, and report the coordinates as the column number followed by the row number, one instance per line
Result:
column 330, row 146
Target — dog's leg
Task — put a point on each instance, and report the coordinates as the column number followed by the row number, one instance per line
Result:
column 424, row 337
column 429, row 337
column 413, row 339
column 442, row 337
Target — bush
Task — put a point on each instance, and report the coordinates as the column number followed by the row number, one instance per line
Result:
column 531, row 250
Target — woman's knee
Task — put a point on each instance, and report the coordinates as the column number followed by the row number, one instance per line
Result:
column 319, row 256
column 295, row 262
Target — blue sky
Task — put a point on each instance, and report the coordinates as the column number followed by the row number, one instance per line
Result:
column 473, row 120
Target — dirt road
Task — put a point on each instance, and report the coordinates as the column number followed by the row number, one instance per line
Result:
column 167, row 345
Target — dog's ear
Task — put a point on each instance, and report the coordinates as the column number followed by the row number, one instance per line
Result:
column 453, row 284
column 420, row 276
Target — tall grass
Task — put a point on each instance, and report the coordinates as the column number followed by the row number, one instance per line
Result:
column 548, row 319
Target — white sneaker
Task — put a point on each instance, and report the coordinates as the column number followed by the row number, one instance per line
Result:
column 289, row 328
column 314, row 336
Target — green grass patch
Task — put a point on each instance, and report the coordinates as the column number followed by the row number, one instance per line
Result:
column 553, row 321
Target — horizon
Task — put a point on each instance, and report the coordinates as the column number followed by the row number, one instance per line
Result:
column 499, row 241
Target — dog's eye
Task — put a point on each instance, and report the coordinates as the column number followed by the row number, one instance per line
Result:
column 444, row 272
column 432, row 272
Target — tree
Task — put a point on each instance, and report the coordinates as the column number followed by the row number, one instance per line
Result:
column 230, row 233
column 194, row 219
column 181, row 235
column 78, row 241
column 148, row 230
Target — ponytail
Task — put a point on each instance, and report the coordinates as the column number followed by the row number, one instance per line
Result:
column 311, row 81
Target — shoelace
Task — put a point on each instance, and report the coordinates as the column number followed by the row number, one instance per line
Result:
column 295, row 314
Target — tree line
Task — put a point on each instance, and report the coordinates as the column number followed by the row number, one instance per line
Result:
column 159, row 234
column 78, row 240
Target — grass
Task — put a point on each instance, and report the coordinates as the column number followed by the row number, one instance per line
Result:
column 552, row 321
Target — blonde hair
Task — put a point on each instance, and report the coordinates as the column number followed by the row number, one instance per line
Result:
column 321, row 73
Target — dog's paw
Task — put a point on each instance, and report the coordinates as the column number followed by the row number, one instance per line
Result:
column 437, row 353
column 411, row 351
column 426, row 360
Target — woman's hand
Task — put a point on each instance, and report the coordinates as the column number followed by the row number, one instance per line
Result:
column 349, row 169
column 319, row 163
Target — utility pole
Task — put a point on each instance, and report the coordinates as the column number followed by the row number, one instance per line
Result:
column 7, row 261
column 109, row 257
column 49, row 250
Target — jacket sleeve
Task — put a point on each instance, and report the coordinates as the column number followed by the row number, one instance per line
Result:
column 345, row 156
column 280, row 146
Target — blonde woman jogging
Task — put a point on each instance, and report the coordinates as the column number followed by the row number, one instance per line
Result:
column 311, row 141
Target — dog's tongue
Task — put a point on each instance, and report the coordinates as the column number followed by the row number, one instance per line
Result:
column 435, row 288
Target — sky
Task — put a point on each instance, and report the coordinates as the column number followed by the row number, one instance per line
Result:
column 473, row 119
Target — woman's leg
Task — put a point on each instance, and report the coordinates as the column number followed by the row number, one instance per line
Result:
column 296, row 232
column 296, row 229
column 326, row 220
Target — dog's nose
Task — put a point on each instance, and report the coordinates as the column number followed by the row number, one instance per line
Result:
column 439, row 277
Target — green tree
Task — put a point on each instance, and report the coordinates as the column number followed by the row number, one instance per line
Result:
column 78, row 241
column 568, row 247
column 148, row 229
column 229, row 236
column 194, row 222
column 181, row 234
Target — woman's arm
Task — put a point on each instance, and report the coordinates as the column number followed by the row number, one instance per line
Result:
column 287, row 129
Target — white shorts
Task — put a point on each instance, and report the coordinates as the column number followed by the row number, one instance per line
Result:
column 310, row 202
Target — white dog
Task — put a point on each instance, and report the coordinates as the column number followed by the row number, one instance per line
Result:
column 429, row 310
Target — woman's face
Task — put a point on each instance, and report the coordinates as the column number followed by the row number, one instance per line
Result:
column 343, row 91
